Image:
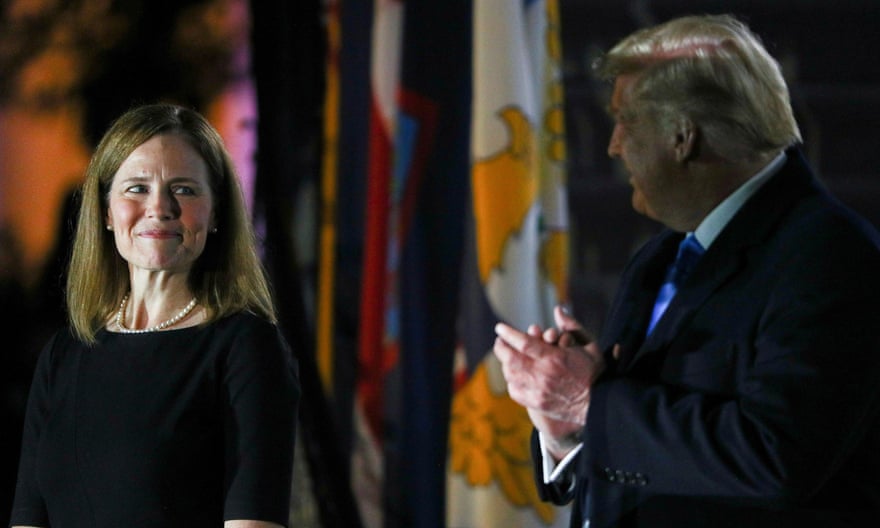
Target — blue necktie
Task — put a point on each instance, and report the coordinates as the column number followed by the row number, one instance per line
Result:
column 689, row 252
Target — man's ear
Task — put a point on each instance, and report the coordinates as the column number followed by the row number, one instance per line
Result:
column 686, row 135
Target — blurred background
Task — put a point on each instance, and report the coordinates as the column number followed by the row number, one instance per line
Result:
column 288, row 85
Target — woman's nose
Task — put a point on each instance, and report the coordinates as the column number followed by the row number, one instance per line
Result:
column 162, row 204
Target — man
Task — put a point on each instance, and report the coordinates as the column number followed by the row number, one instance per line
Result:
column 739, row 386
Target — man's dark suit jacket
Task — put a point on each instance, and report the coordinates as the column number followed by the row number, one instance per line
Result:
column 755, row 400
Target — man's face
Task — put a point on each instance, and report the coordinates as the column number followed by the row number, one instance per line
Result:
column 646, row 152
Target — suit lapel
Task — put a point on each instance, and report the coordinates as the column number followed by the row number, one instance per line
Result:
column 712, row 271
column 728, row 254
column 629, row 314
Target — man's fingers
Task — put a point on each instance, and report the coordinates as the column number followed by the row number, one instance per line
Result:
column 576, row 338
column 503, row 351
column 511, row 336
column 513, row 363
column 563, row 320
column 571, row 331
column 521, row 342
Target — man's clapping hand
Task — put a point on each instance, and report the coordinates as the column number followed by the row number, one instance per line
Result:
column 550, row 373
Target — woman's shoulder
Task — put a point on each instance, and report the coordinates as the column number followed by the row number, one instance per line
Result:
column 63, row 339
column 246, row 336
column 246, row 327
column 61, row 347
column 243, row 321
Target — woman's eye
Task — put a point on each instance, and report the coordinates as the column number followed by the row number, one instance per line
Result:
column 183, row 189
column 137, row 189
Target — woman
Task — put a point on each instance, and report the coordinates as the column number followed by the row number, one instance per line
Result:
column 171, row 400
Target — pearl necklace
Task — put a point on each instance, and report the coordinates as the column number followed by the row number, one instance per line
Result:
column 161, row 326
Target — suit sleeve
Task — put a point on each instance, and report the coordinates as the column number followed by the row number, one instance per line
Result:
column 562, row 490
column 263, row 391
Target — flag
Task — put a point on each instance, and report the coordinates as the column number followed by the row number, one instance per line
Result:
column 288, row 95
column 346, row 118
column 416, row 181
column 327, row 227
column 378, row 342
column 515, row 267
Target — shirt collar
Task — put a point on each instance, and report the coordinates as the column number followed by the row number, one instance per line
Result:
column 717, row 220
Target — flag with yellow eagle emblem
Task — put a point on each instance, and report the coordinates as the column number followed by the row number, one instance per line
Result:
column 517, row 257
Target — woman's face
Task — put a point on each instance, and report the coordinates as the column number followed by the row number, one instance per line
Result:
column 161, row 206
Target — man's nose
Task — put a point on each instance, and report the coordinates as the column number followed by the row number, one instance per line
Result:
column 614, row 142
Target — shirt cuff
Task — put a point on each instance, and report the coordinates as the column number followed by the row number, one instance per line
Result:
column 552, row 469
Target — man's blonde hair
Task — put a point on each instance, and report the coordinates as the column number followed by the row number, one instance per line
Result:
column 714, row 71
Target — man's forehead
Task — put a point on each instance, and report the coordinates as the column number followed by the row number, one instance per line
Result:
column 622, row 89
